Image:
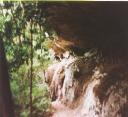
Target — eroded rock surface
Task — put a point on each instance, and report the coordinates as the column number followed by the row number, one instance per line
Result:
column 85, row 87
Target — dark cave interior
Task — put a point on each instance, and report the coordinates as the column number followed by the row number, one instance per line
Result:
column 101, row 25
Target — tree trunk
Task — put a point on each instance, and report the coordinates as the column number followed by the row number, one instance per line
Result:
column 6, row 104
column 31, row 70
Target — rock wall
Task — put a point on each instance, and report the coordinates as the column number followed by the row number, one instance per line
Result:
column 94, row 84
column 83, row 86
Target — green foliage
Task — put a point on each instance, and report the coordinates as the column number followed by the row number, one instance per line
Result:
column 21, row 90
column 21, row 22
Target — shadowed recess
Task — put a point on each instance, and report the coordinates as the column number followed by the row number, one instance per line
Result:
column 101, row 25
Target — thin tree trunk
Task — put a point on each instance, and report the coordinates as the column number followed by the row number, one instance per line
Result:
column 6, row 104
column 31, row 70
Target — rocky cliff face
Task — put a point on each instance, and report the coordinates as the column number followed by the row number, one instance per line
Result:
column 85, row 87
column 89, row 83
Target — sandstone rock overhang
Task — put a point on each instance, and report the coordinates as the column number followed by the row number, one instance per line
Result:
column 101, row 25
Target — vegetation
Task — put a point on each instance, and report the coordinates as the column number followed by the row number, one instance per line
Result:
column 26, row 37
